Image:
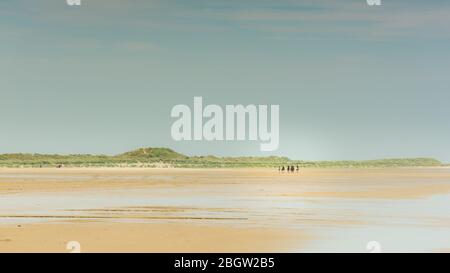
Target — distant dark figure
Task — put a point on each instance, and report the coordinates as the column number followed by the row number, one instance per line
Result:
column 59, row 166
column 282, row 169
column 292, row 168
column 298, row 168
column 279, row 169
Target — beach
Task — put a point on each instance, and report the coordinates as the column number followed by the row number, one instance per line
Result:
column 224, row 210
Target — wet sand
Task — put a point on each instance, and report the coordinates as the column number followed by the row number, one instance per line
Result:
column 222, row 210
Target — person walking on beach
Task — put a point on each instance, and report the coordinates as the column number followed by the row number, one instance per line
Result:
column 298, row 168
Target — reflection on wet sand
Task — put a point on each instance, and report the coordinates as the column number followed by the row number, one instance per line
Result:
column 255, row 210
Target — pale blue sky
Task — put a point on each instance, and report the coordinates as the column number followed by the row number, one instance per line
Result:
column 352, row 81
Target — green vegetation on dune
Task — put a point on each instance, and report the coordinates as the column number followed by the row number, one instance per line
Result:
column 152, row 153
column 380, row 163
column 164, row 157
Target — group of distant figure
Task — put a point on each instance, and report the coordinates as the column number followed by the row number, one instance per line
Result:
column 289, row 169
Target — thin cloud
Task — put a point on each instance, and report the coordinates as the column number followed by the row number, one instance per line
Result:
column 356, row 19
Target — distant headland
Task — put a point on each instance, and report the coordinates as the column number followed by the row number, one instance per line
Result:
column 168, row 158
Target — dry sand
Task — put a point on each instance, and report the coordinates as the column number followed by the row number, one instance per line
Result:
column 142, row 237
